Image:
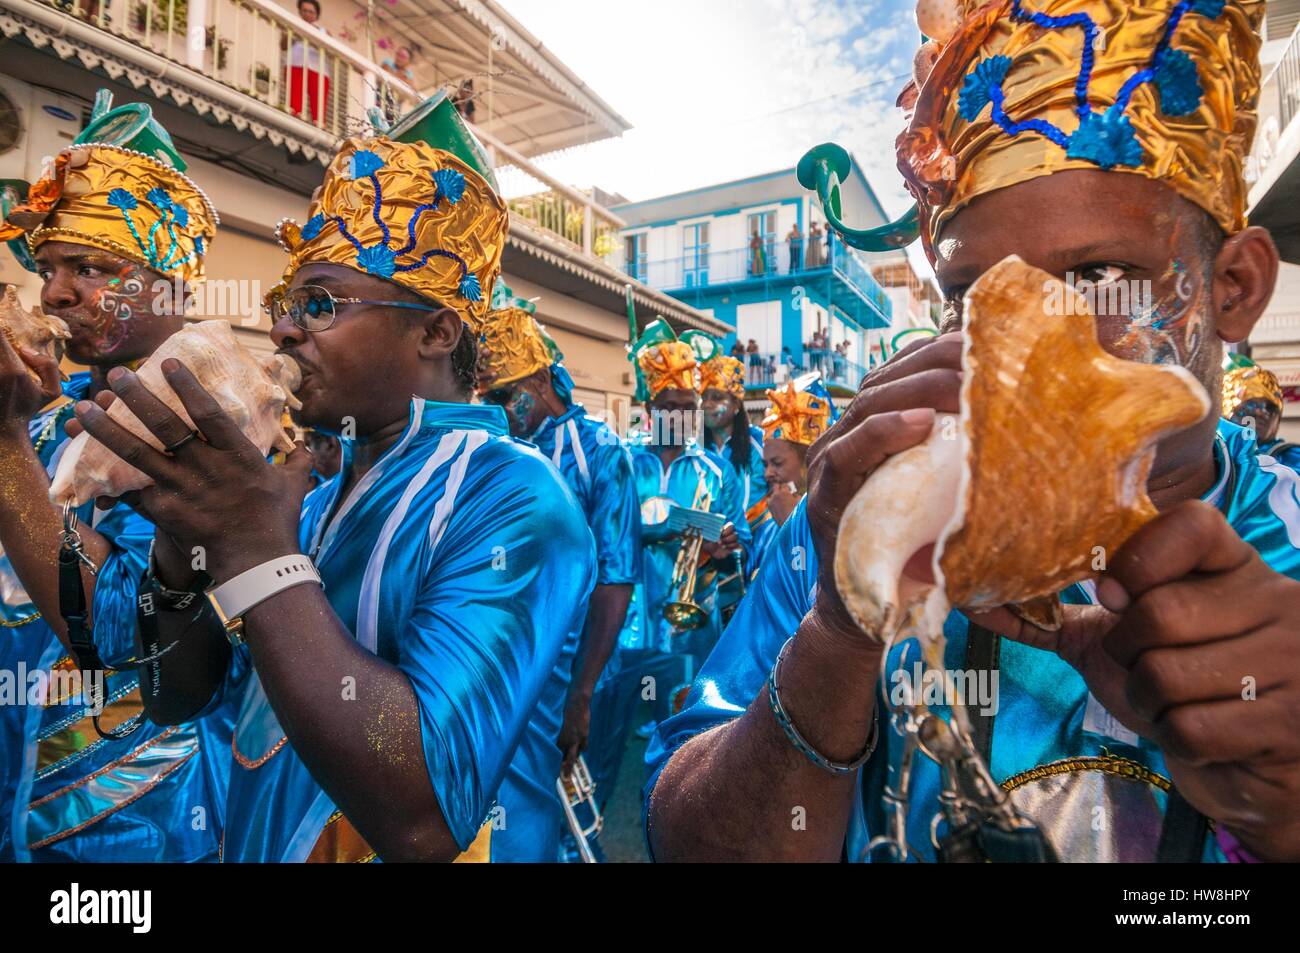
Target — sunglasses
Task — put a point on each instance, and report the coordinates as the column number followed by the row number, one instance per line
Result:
column 313, row 308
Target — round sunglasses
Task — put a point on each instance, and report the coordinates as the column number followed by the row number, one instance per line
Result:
column 313, row 308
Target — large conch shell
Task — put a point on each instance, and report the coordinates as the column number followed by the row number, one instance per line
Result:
column 33, row 329
column 253, row 392
column 1044, row 472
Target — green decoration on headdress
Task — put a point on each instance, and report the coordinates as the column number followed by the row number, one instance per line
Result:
column 705, row 345
column 822, row 170
column 438, row 123
column 132, row 127
column 657, row 332
column 503, row 297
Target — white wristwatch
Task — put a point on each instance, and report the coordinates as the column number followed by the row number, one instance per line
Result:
column 233, row 599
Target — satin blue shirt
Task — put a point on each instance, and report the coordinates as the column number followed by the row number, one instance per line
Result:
column 692, row 475
column 68, row 795
column 462, row 559
column 1054, row 747
column 597, row 467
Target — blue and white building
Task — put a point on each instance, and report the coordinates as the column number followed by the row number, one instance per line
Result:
column 726, row 251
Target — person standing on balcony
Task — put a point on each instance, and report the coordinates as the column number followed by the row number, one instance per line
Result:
column 755, row 360
column 795, row 240
column 154, row 793
column 304, row 76
column 757, row 256
column 522, row 372
column 815, row 246
column 399, row 65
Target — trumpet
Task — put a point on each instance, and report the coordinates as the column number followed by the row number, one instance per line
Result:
column 577, row 792
column 683, row 612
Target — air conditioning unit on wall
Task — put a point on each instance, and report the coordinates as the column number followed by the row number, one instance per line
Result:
column 34, row 125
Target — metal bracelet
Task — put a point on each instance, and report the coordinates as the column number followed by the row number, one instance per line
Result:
column 796, row 739
column 173, row 600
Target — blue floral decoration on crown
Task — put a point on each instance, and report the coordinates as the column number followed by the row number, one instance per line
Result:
column 171, row 215
column 382, row 259
column 1107, row 138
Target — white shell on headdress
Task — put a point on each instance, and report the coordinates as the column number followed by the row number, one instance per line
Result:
column 939, row 19
column 252, row 392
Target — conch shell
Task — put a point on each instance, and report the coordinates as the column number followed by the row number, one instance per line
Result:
column 31, row 329
column 1044, row 471
column 253, row 392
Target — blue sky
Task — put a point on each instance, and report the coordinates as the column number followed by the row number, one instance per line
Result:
column 722, row 89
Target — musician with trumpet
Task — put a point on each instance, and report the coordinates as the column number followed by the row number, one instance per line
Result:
column 674, row 620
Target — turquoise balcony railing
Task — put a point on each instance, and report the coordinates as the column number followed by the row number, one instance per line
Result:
column 695, row 277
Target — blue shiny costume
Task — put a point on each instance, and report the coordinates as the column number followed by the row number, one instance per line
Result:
column 68, row 795
column 460, row 555
column 648, row 647
column 598, row 469
column 695, row 472
column 753, row 485
column 1047, row 722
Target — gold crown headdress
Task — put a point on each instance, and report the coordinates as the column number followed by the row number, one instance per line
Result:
column 1247, row 381
column 1024, row 88
column 723, row 373
column 800, row 411
column 516, row 343
column 663, row 362
column 121, row 187
column 409, row 213
column 123, row 201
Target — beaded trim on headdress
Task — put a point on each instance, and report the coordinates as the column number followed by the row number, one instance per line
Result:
column 173, row 243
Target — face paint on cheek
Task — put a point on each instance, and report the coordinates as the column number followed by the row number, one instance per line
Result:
column 1165, row 331
column 122, row 298
column 520, row 409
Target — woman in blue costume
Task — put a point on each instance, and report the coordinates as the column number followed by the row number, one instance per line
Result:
column 1164, row 701
column 798, row 414
column 404, row 706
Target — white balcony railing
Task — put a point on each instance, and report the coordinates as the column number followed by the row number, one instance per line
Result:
column 1279, row 104
column 258, row 49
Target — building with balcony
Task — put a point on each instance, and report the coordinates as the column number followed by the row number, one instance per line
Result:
column 257, row 100
column 807, row 303
column 1274, row 177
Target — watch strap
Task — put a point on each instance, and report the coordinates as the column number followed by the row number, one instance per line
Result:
column 234, row 598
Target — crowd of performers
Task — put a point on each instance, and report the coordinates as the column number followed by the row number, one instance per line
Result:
column 400, row 659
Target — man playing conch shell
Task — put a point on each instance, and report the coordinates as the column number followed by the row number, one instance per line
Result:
column 106, row 227
column 408, row 619
column 1101, row 142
